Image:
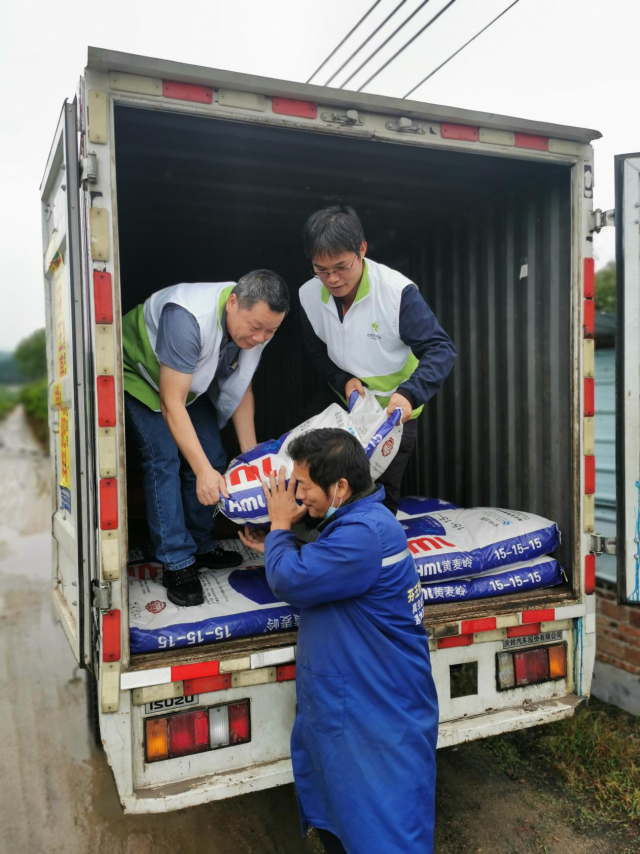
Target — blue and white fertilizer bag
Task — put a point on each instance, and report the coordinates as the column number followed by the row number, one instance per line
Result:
column 379, row 434
column 530, row 575
column 411, row 506
column 457, row 543
column 237, row 603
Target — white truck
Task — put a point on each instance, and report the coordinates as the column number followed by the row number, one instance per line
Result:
column 162, row 172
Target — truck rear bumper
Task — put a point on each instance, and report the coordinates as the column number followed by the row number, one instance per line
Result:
column 493, row 723
column 217, row 787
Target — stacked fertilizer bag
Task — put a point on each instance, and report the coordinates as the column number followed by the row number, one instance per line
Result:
column 237, row 603
column 478, row 553
column 378, row 433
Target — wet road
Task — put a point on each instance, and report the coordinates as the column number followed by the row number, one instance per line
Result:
column 56, row 789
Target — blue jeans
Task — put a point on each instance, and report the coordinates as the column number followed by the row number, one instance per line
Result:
column 180, row 527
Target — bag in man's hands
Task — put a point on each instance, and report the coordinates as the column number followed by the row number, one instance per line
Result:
column 378, row 433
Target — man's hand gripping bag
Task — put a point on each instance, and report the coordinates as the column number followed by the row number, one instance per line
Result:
column 378, row 433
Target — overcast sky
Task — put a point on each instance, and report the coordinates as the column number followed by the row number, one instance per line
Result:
column 568, row 61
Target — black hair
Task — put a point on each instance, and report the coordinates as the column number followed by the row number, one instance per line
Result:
column 262, row 286
column 332, row 231
column 331, row 454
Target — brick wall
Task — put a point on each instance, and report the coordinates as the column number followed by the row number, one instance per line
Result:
column 617, row 630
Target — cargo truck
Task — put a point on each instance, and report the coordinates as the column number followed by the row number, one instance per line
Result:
column 163, row 172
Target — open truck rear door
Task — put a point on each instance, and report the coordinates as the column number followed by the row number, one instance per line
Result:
column 68, row 354
column 628, row 376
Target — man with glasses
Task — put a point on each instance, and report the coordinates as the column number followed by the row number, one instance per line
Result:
column 365, row 324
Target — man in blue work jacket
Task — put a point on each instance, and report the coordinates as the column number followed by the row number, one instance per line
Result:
column 363, row 744
column 365, row 324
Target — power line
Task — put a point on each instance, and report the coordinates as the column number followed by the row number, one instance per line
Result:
column 366, row 41
column 406, row 45
column 384, row 43
column 466, row 44
column 350, row 33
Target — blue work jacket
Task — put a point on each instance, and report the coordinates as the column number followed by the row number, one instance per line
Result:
column 364, row 741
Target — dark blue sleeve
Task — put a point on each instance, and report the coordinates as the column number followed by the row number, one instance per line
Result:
column 429, row 343
column 178, row 343
column 317, row 351
column 342, row 565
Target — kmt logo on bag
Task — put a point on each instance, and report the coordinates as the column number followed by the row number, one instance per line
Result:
column 387, row 447
column 427, row 544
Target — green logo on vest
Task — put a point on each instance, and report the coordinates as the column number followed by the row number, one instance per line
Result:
column 374, row 326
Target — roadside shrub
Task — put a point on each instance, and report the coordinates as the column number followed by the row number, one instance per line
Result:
column 7, row 401
column 34, row 398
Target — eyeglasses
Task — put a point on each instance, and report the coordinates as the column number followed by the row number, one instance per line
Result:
column 341, row 272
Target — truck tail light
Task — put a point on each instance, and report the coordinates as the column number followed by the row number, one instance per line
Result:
column 188, row 733
column 219, row 726
column 239, row 731
column 557, row 661
column 530, row 666
column 185, row 733
column 157, row 739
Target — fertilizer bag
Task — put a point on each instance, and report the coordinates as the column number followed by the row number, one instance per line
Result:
column 378, row 433
column 455, row 543
column 530, row 575
column 237, row 603
column 411, row 506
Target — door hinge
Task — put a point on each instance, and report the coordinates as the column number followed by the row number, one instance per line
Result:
column 405, row 125
column 351, row 117
column 602, row 219
column 101, row 595
column 89, row 169
column 602, row 545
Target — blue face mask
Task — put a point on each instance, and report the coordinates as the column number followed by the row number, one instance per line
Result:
column 332, row 509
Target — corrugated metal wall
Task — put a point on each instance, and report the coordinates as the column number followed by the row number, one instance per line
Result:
column 499, row 432
column 605, row 428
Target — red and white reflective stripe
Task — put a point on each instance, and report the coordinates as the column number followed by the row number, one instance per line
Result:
column 543, row 615
column 270, row 657
column 195, row 671
column 111, row 639
column 529, row 140
column 105, row 387
column 187, row 92
column 486, row 624
column 207, row 673
column 102, row 301
column 571, row 612
column 145, row 678
column 466, row 133
column 588, row 413
column 290, row 107
column 523, row 631
column 590, row 574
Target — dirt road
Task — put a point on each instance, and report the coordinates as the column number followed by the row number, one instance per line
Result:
column 56, row 791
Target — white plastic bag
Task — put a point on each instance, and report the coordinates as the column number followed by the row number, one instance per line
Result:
column 379, row 435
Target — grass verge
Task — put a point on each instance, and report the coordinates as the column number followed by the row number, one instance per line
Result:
column 594, row 756
column 34, row 398
column 8, row 400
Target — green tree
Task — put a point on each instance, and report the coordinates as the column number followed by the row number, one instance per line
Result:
column 606, row 288
column 31, row 356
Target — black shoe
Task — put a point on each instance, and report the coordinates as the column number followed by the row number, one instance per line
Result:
column 218, row 559
column 183, row 586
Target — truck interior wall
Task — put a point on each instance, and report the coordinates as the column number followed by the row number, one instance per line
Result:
column 486, row 239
